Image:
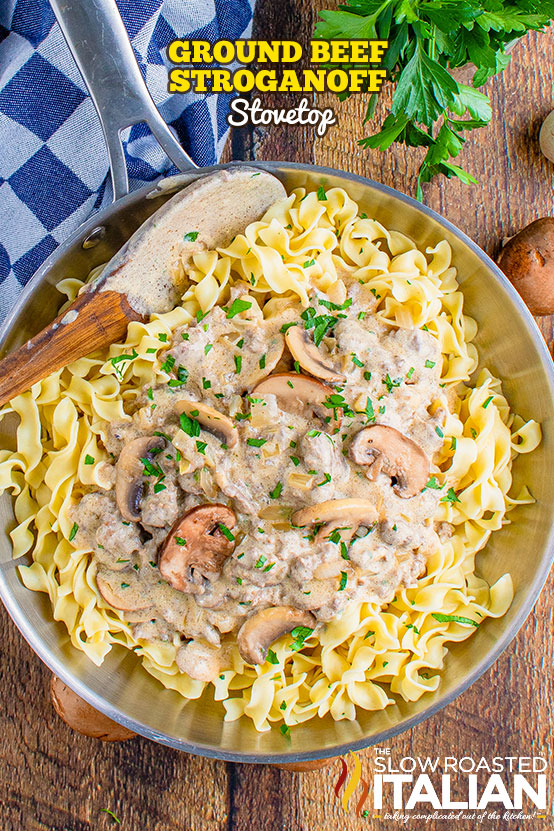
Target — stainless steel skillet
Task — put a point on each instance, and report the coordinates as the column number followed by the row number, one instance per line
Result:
column 509, row 343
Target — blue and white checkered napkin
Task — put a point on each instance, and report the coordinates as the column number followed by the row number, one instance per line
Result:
column 53, row 163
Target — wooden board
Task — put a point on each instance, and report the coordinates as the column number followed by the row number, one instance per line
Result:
column 52, row 779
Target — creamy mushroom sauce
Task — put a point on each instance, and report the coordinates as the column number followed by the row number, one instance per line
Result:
column 281, row 462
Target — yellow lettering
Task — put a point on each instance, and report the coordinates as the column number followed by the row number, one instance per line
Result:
column 289, row 81
column 357, row 78
column 223, row 51
column 314, row 81
column 358, row 51
column 377, row 50
column 199, row 77
column 269, row 51
column 291, row 51
column 244, row 80
column 376, row 78
column 340, row 51
column 178, row 51
column 221, row 80
column 178, row 80
column 320, row 51
column 269, row 85
column 337, row 80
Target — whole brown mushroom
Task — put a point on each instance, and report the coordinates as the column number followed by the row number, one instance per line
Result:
column 527, row 260
column 197, row 546
column 81, row 716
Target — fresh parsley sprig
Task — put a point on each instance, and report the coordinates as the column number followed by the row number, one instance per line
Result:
column 427, row 39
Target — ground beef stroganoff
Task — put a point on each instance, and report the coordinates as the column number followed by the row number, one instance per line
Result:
column 276, row 490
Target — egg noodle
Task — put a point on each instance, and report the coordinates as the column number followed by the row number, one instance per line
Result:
column 367, row 654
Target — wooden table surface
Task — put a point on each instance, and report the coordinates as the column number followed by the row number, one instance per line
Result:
column 52, row 778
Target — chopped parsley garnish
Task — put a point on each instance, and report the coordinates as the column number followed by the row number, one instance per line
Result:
column 191, row 236
column 168, row 364
column 295, row 460
column 271, row 657
column 182, row 378
column 73, row 531
column 150, row 394
column 200, row 315
column 356, row 360
column 268, row 567
column 487, row 402
column 308, row 263
column 89, row 460
column 226, row 532
column 238, row 363
column 151, row 350
column 450, row 496
column 185, row 335
column 321, row 195
column 120, row 559
column 344, row 550
column 411, row 371
column 125, row 585
column 439, row 432
column 162, row 337
column 111, row 813
column 159, row 486
column 201, row 447
column 261, row 561
column 238, row 306
column 390, row 383
column 180, row 541
column 433, row 484
column 283, row 705
column 286, row 326
column 189, row 425
column 453, row 619
column 335, row 307
column 261, row 362
column 285, row 730
column 367, row 376
column 206, row 384
column 207, row 348
column 343, row 581
column 277, row 490
column 430, row 364
column 256, row 442
column 453, row 443
column 326, row 480
column 239, row 581
column 299, row 634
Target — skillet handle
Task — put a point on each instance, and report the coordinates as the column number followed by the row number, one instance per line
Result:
column 98, row 41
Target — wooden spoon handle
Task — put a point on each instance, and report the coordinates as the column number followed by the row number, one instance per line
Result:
column 94, row 319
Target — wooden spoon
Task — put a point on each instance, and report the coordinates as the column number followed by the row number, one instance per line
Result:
column 141, row 278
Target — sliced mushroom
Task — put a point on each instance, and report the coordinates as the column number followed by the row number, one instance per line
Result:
column 196, row 547
column 295, row 392
column 121, row 590
column 304, row 350
column 211, row 420
column 260, row 630
column 81, row 716
column 129, row 482
column 386, row 449
column 347, row 514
